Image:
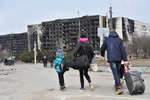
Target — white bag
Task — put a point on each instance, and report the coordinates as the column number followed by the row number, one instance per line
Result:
column 94, row 67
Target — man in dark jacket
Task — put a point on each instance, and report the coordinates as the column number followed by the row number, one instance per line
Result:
column 115, row 54
column 83, row 48
column 44, row 59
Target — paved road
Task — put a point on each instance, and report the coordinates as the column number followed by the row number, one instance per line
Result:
column 33, row 82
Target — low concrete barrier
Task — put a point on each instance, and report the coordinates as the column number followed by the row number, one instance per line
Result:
column 143, row 69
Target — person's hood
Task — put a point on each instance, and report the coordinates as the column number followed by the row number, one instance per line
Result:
column 113, row 34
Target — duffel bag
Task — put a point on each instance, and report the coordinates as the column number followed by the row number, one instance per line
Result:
column 78, row 62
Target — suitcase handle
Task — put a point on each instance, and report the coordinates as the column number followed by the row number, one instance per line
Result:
column 127, row 68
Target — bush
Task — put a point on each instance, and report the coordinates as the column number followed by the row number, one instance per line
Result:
column 42, row 53
column 27, row 57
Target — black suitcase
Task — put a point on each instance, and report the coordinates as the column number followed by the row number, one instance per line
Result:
column 134, row 82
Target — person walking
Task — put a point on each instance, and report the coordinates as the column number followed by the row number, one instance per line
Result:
column 83, row 48
column 51, row 60
column 60, row 68
column 115, row 54
column 44, row 59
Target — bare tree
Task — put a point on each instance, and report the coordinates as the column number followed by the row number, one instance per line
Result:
column 145, row 47
column 139, row 46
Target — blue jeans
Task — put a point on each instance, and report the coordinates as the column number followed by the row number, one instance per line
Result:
column 115, row 67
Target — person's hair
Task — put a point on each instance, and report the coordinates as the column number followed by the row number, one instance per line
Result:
column 83, row 36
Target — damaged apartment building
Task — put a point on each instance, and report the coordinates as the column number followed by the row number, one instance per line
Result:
column 14, row 44
column 52, row 35
column 128, row 28
column 65, row 32
column 34, row 36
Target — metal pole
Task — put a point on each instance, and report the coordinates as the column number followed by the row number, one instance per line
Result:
column 79, row 25
column 105, row 51
column 10, row 46
column 110, row 19
column 35, row 53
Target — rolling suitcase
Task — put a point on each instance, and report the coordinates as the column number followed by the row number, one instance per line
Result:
column 134, row 81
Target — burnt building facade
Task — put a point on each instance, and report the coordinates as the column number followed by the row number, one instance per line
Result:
column 14, row 44
column 52, row 35
column 128, row 28
column 124, row 27
column 34, row 35
column 5, row 44
column 65, row 32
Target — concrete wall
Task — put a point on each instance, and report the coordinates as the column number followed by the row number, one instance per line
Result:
column 34, row 29
column 119, row 27
column 142, row 28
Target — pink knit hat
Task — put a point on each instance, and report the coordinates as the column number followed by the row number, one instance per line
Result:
column 83, row 39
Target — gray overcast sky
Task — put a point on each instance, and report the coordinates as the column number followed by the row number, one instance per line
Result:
column 15, row 15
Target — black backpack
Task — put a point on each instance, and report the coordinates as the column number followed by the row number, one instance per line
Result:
column 65, row 64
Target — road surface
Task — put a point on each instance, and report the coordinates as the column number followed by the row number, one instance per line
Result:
column 34, row 82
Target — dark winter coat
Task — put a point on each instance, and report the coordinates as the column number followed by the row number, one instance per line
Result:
column 44, row 59
column 115, row 48
column 83, row 48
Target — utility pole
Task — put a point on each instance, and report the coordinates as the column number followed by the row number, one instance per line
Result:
column 110, row 18
column 79, row 24
column 34, row 40
column 35, row 53
column 10, row 39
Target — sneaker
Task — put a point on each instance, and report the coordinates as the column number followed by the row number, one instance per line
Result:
column 81, row 88
column 91, row 87
column 119, row 90
column 62, row 87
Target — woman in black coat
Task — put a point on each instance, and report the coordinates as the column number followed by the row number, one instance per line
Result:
column 83, row 48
